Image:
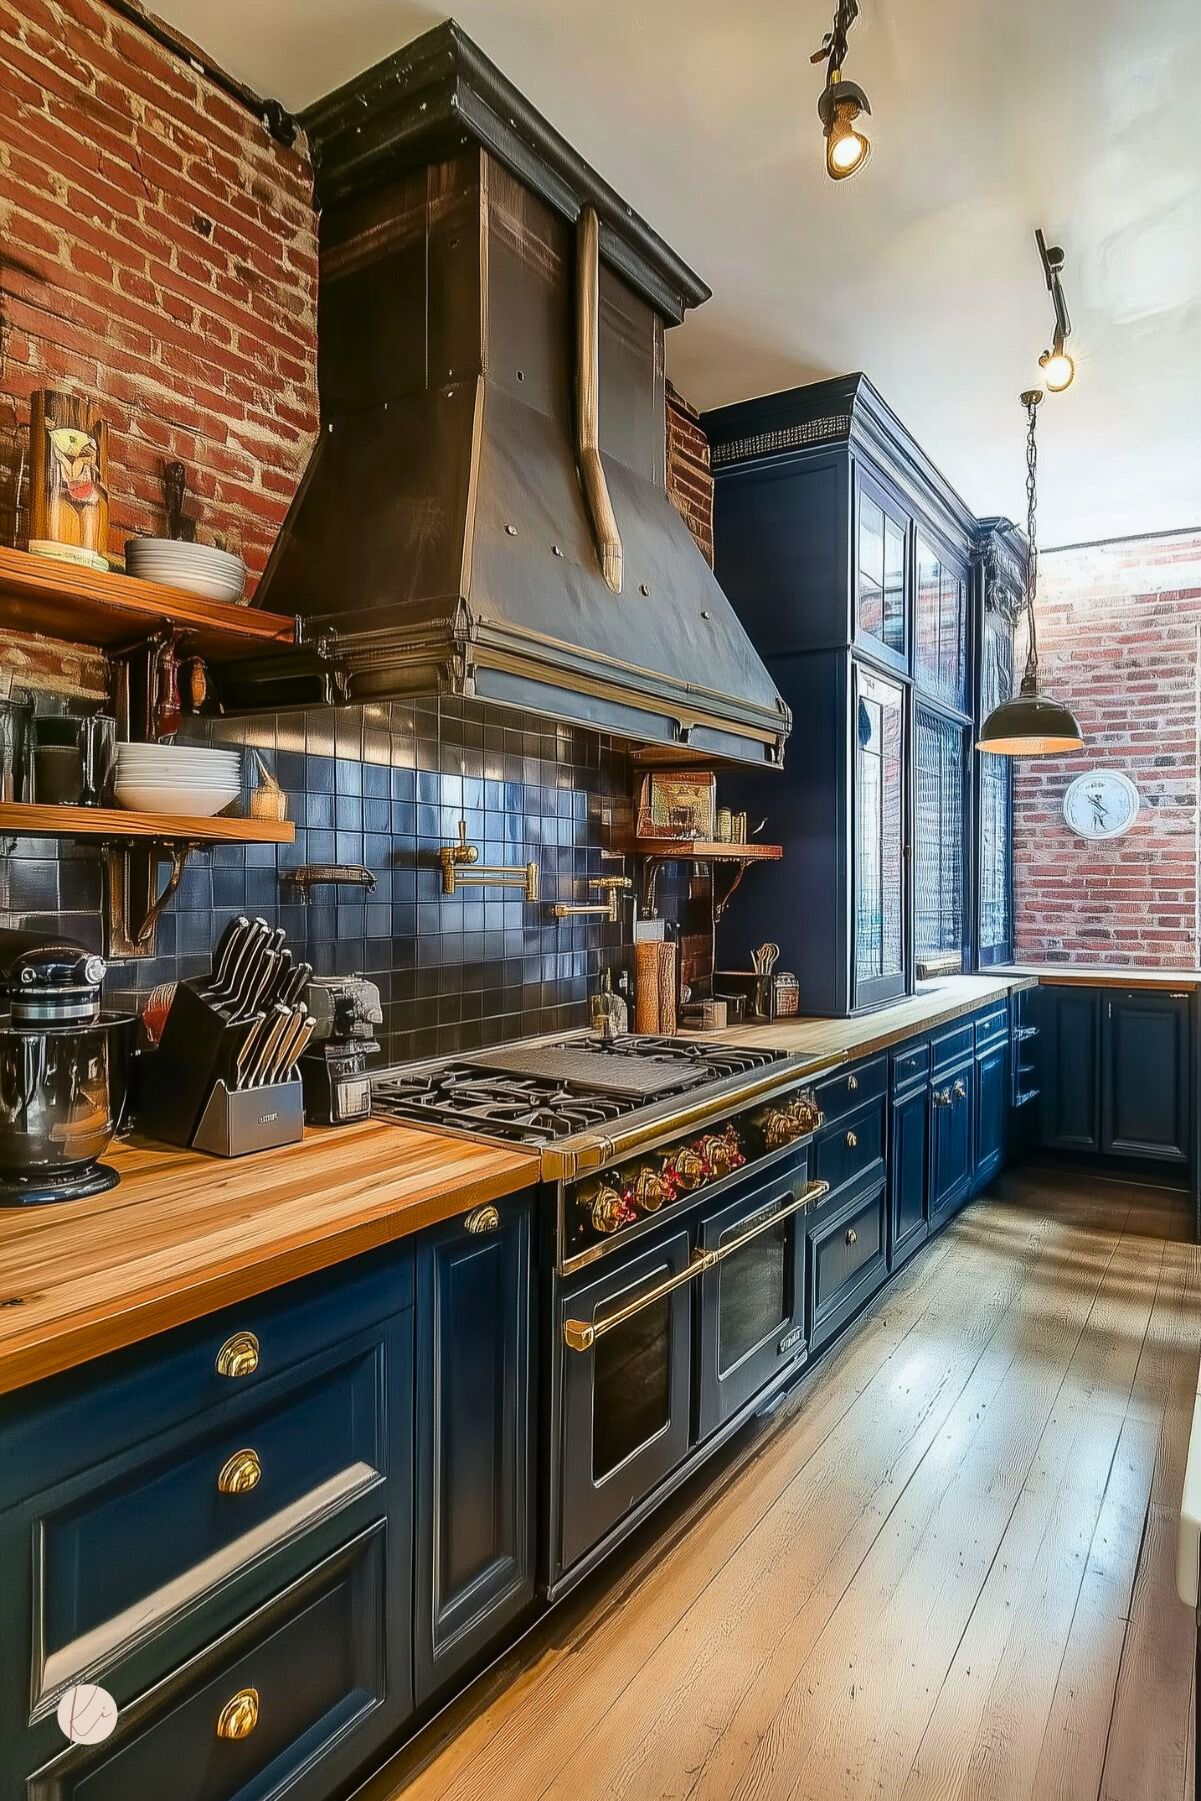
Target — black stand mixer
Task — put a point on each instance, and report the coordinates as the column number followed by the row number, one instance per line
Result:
column 63, row 1070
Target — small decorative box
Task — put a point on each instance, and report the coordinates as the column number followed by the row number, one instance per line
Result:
column 677, row 804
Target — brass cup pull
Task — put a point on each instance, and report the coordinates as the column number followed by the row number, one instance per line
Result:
column 852, row 1141
column 238, row 1356
column 852, row 1235
column 960, row 1091
column 852, row 1083
column 483, row 1219
column 240, row 1473
column 240, row 1715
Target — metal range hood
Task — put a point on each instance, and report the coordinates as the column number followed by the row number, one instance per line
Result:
column 485, row 512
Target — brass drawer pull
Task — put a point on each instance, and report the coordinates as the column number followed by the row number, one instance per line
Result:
column 240, row 1473
column 238, row 1356
column 960, row 1091
column 240, row 1715
column 581, row 1335
column 852, row 1235
column 483, row 1219
column 852, row 1083
column 852, row 1141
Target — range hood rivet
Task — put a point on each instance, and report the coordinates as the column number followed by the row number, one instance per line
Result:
column 705, row 613
column 644, row 588
column 511, row 530
column 521, row 375
column 556, row 550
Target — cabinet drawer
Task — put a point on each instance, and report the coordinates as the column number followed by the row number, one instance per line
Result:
column 910, row 1065
column 307, row 1680
column 952, row 1047
column 137, row 1542
column 79, row 1419
column 847, row 1263
column 847, row 1150
column 992, row 1028
column 839, row 1094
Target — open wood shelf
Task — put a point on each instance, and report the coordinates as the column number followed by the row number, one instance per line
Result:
column 112, row 612
column 25, row 819
column 703, row 849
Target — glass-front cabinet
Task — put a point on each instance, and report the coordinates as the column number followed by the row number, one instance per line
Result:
column 881, row 572
column 1002, row 574
column 941, row 858
column 940, row 613
column 878, row 886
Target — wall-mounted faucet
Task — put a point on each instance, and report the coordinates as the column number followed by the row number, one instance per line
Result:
column 461, row 868
column 612, row 884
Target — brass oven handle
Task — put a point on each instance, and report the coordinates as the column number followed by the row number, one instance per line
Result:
column 238, row 1356
column 581, row 1335
column 240, row 1715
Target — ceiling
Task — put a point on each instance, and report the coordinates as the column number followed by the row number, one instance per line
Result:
column 988, row 119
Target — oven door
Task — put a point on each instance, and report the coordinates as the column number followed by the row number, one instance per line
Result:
column 624, row 1355
column 752, row 1297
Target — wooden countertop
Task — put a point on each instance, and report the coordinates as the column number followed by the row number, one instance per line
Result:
column 1104, row 975
column 184, row 1234
column 840, row 1040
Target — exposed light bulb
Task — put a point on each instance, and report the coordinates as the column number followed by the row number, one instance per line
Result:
column 1059, row 371
column 841, row 104
column 847, row 152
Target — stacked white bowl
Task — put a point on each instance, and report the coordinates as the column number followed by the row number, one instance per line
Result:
column 215, row 574
column 177, row 778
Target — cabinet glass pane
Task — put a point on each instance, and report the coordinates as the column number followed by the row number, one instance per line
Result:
column 871, row 567
column 939, row 850
column 752, row 1294
column 940, row 629
column 894, row 586
column 996, row 685
column 631, row 1396
column 879, row 818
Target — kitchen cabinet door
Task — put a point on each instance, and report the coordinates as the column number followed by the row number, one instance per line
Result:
column 992, row 1112
column 475, row 1438
column 1145, row 1075
column 879, row 887
column 940, row 617
column 1070, row 1112
column 951, row 1142
column 909, row 1173
column 881, row 573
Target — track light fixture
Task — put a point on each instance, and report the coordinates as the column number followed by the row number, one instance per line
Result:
column 841, row 102
column 1059, row 371
column 1030, row 724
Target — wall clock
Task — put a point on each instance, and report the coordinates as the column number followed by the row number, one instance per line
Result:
column 1101, row 805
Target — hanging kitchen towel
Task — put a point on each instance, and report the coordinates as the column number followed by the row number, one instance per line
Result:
column 646, row 990
column 667, row 989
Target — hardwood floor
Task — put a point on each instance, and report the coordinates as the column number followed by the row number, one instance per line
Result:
column 944, row 1569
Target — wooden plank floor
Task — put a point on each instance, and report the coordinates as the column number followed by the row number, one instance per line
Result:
column 945, row 1568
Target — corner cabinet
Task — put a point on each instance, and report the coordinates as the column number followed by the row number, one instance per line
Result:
column 1115, row 1071
column 853, row 565
column 475, row 1439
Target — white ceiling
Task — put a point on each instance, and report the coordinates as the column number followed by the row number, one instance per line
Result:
column 989, row 117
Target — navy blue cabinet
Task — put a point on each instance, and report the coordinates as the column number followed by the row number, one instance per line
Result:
column 1145, row 1075
column 951, row 1146
column 1070, row 1059
column 909, row 1171
column 991, row 1112
column 475, row 1438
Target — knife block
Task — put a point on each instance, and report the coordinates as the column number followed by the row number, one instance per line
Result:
column 196, row 1052
column 236, row 1122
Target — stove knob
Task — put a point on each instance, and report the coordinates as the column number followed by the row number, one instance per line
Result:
column 780, row 1126
column 721, row 1152
column 807, row 1111
column 606, row 1210
column 689, row 1168
column 650, row 1191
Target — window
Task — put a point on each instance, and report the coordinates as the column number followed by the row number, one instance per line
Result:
column 940, row 628
column 879, row 838
column 940, row 857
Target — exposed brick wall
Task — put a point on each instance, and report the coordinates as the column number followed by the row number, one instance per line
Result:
column 157, row 250
column 1119, row 636
column 689, row 481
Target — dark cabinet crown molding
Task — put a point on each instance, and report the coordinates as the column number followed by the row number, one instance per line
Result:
column 440, row 94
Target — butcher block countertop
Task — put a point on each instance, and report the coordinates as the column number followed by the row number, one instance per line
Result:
column 1103, row 975
column 183, row 1234
column 834, row 1040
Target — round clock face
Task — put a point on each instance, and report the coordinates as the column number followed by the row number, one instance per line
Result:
column 1101, row 805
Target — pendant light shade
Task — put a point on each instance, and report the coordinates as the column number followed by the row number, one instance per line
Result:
column 1030, row 724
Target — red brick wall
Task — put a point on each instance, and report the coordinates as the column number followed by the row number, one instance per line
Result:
column 689, row 481
column 1119, row 630
column 157, row 250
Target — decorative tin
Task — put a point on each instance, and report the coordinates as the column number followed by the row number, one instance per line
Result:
column 678, row 804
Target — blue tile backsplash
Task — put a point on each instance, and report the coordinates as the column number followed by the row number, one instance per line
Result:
column 385, row 786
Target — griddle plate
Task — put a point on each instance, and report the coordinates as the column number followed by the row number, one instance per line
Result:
column 614, row 1073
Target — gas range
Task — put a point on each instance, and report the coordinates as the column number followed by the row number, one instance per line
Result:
column 629, row 1129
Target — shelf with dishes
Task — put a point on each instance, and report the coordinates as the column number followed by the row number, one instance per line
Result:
column 70, row 602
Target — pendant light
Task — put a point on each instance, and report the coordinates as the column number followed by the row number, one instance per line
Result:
column 841, row 102
column 1030, row 724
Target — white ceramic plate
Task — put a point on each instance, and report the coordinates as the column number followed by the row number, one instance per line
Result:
column 201, row 803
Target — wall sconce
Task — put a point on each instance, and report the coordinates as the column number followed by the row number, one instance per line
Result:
column 841, row 102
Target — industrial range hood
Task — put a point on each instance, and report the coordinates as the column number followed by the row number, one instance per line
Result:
column 485, row 512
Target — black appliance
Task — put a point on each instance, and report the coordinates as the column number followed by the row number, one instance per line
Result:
column 675, row 1199
column 63, row 1070
column 345, row 1011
